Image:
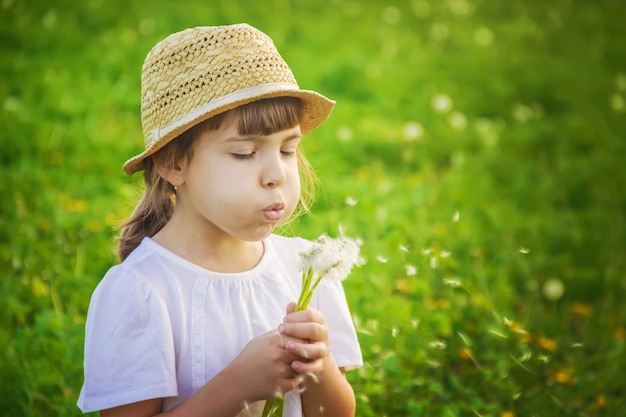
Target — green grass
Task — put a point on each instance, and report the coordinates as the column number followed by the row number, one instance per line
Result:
column 477, row 148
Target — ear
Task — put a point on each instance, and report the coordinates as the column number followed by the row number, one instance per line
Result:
column 169, row 168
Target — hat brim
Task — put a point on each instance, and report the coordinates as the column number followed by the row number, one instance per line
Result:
column 316, row 108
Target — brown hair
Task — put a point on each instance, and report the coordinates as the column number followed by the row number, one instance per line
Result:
column 156, row 206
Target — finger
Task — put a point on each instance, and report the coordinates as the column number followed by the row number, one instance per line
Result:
column 308, row 351
column 304, row 331
column 308, row 368
column 293, row 381
column 309, row 314
column 282, row 340
column 291, row 307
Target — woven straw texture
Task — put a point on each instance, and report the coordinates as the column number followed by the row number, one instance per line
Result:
column 195, row 74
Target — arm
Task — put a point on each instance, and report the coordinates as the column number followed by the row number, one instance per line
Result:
column 326, row 390
column 258, row 372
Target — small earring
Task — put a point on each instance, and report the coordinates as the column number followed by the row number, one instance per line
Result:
column 175, row 187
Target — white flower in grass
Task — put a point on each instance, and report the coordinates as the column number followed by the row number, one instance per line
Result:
column 456, row 216
column 438, row 344
column 410, row 270
column 457, row 121
column 553, row 289
column 403, row 249
column 413, row 131
column 345, row 134
column 441, row 103
column 351, row 201
column 454, row 283
column 382, row 259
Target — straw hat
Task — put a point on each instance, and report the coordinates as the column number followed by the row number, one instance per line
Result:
column 193, row 75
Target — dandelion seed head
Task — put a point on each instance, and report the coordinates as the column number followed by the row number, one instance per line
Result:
column 441, row 103
column 332, row 259
column 553, row 289
column 413, row 131
column 345, row 134
column 457, row 121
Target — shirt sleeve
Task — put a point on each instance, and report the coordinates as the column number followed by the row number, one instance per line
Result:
column 330, row 299
column 129, row 350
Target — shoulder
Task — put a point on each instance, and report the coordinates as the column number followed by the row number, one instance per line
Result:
column 128, row 279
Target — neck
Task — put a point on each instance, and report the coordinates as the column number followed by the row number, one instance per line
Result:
column 210, row 249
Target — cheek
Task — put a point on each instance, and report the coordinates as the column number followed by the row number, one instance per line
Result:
column 294, row 185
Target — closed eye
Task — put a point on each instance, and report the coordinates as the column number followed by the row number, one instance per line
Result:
column 243, row 156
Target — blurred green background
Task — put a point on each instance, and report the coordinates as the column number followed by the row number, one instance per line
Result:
column 477, row 148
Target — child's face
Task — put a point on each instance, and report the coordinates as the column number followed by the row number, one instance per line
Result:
column 241, row 185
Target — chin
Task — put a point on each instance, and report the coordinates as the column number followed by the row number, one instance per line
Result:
column 257, row 236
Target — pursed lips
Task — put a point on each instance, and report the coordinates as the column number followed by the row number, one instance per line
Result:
column 274, row 212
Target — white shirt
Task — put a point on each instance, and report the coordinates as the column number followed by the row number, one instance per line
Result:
column 159, row 326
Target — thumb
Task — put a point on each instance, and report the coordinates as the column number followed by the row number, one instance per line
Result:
column 291, row 307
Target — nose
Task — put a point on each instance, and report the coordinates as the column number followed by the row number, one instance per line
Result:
column 274, row 173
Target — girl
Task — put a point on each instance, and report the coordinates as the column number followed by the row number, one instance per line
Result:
column 198, row 319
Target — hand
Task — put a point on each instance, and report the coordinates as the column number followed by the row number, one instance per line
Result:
column 307, row 337
column 265, row 366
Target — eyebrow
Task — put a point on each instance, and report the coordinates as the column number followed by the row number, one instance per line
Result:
column 254, row 138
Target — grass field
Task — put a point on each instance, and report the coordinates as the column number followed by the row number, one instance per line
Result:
column 477, row 148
